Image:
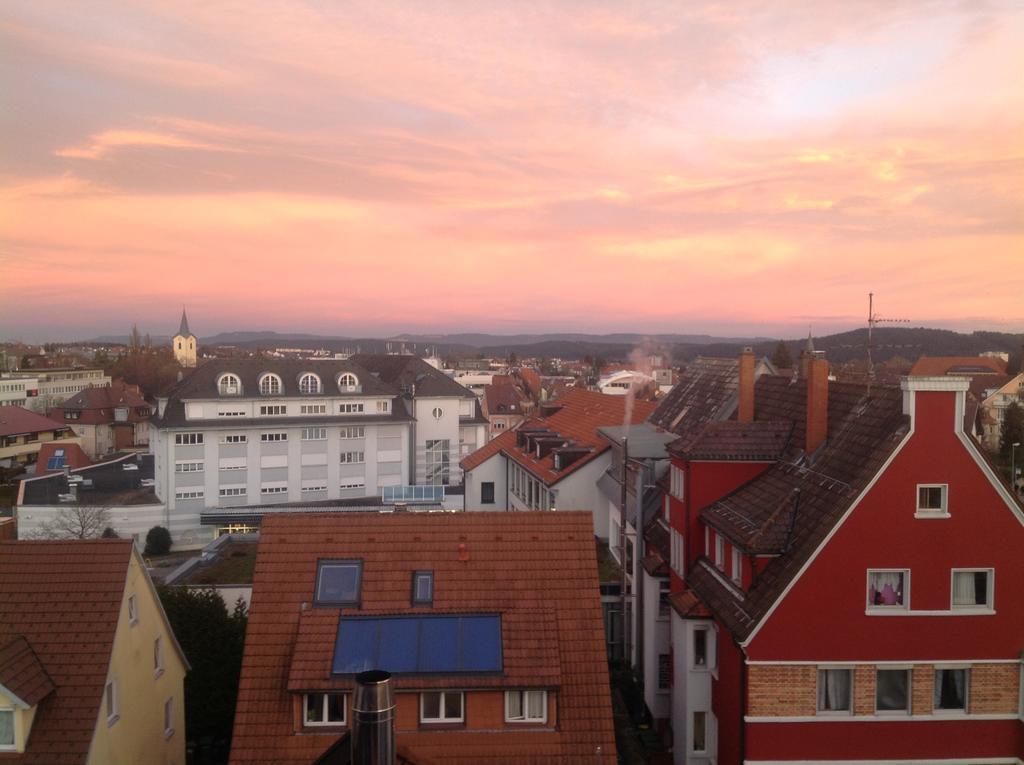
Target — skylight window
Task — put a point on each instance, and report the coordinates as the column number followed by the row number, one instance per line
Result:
column 419, row 644
column 422, row 588
column 338, row 582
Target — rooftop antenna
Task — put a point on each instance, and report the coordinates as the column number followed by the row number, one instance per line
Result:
column 873, row 320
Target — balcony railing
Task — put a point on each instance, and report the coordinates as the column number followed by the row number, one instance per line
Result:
column 391, row 494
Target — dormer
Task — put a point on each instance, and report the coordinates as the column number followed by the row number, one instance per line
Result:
column 270, row 384
column 310, row 383
column 228, row 384
column 23, row 685
column 348, row 383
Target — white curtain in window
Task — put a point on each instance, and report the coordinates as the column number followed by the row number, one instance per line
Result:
column 963, row 588
column 535, row 704
column 886, row 588
column 833, row 689
column 515, row 705
column 7, row 728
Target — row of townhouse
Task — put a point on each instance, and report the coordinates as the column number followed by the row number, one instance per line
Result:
column 244, row 432
column 813, row 570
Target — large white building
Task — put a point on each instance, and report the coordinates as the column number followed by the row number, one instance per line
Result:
column 241, row 432
column 42, row 389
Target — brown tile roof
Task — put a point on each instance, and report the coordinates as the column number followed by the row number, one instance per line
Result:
column 22, row 673
column 580, row 414
column 96, row 405
column 688, row 605
column 17, row 420
column 64, row 599
column 539, row 570
column 403, row 372
column 706, row 391
column 74, row 457
column 731, row 440
column 502, row 398
column 928, row 366
column 789, row 509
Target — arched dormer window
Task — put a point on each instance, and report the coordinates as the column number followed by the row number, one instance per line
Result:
column 309, row 383
column 347, row 381
column 270, row 385
column 229, row 385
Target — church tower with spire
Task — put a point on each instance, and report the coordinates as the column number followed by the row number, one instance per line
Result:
column 185, row 343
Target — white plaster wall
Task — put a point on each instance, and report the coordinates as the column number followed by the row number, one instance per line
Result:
column 428, row 429
column 657, row 640
column 579, row 491
column 691, row 689
column 493, row 469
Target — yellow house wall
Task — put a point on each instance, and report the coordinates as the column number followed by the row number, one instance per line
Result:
column 187, row 355
column 23, row 448
column 22, row 721
column 137, row 737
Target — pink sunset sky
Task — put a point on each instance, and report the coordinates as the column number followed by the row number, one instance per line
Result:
column 375, row 168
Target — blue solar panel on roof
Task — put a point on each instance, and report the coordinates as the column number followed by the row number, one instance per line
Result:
column 420, row 644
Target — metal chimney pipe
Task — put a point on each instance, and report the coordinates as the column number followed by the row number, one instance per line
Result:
column 373, row 719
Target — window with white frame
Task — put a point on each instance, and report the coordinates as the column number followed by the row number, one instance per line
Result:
column 235, row 438
column 229, row 385
column 309, row 383
column 437, row 462
column 437, row 412
column 191, row 493
column 383, row 407
column 347, row 381
column 950, row 689
column 230, row 412
column 676, row 553
column 352, row 483
column 270, row 385
column 7, row 729
column 526, row 706
column 835, row 690
column 719, row 552
column 314, row 485
column 703, row 649
column 676, row 482
column 273, row 489
column 158, row 656
column 232, row 491
column 339, row 582
column 350, row 408
column 892, row 690
column 169, row 718
column 351, row 458
column 188, row 467
column 888, row 588
column 422, row 588
column 700, row 732
column 273, row 437
column 972, row 588
column 932, row 499
column 313, row 409
column 737, row 566
column 323, row 709
column 353, row 431
column 188, row 439
column 314, row 434
column 110, row 701
column 273, row 410
column 441, row 707
column 133, row 610
column 664, row 605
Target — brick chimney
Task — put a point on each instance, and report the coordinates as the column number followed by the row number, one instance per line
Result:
column 817, row 402
column 746, row 387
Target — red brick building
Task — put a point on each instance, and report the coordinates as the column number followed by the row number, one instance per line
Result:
column 489, row 623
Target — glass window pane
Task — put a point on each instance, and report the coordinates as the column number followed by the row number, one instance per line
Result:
column 535, row 704
column 891, row 690
column 338, row 583
column 7, row 728
column 452, row 705
column 834, row 690
column 885, row 588
column 970, row 588
column 699, row 738
column 315, row 707
column 514, row 702
column 431, row 705
column 700, row 649
column 336, row 707
column 950, row 689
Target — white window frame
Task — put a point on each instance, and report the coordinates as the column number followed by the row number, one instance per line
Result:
column 990, row 605
column 709, row 650
column 967, row 689
column 693, row 732
column 111, row 701
column 133, row 610
column 312, row 408
column 737, row 566
column 347, row 381
column 273, row 438
column 188, row 439
column 273, row 410
column 352, row 432
column 906, row 712
column 442, row 719
column 314, row 434
column 525, row 718
column 925, row 512
column 356, row 407
column 13, row 746
column 158, row 656
column 189, row 466
column 719, row 552
column 383, row 407
column 226, row 389
column 317, row 387
column 872, row 608
column 234, row 438
column 232, row 491
column 817, row 687
column 190, row 492
column 273, row 489
column 270, row 385
column 323, row 722
column 169, row 718
column 352, row 458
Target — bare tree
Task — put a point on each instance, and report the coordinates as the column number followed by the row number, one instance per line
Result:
column 75, row 522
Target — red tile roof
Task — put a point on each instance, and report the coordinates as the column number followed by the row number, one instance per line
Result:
column 64, row 599
column 929, row 366
column 539, row 570
column 22, row 673
column 97, row 405
column 580, row 415
column 502, row 398
column 73, row 456
column 17, row 420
